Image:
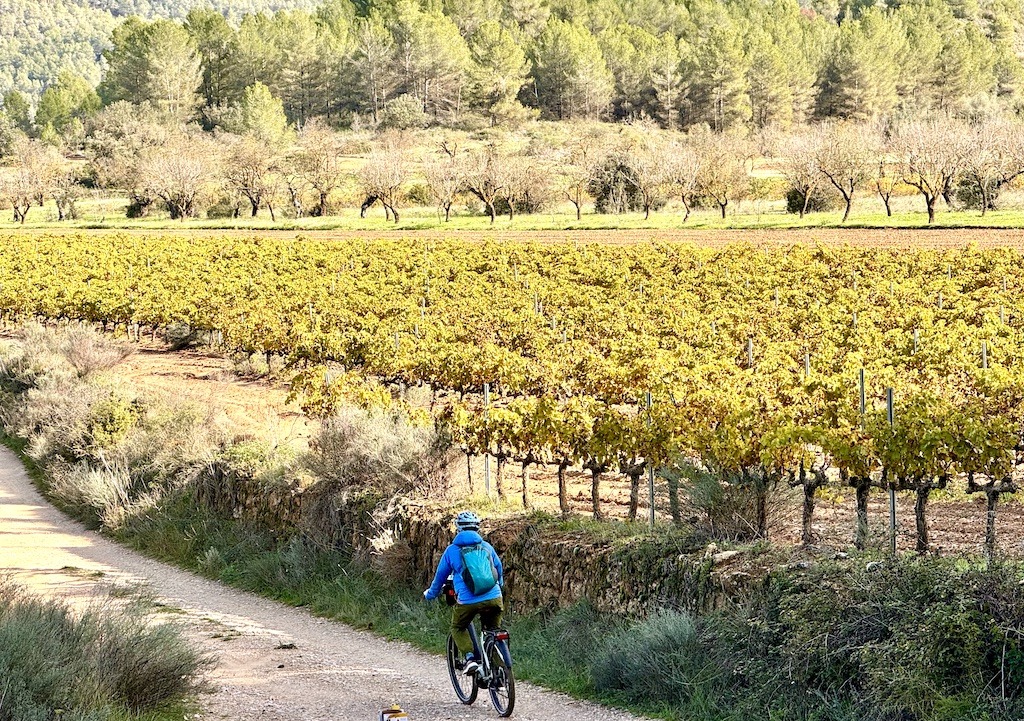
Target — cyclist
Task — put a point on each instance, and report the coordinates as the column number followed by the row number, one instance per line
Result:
column 475, row 569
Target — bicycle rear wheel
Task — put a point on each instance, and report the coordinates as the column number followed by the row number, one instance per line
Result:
column 465, row 686
column 502, row 687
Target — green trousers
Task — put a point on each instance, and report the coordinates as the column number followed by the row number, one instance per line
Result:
column 490, row 615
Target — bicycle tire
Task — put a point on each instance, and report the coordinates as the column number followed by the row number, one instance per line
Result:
column 456, row 662
column 502, row 688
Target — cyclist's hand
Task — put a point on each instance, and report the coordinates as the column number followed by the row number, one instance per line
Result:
column 425, row 595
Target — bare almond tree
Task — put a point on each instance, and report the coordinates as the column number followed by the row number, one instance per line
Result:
column 932, row 153
column 319, row 160
column 683, row 172
column 445, row 173
column 845, row 156
column 645, row 166
column 30, row 177
column 294, row 181
column 119, row 136
column 579, row 162
column 251, row 170
column 485, row 177
column 994, row 159
column 799, row 164
column 180, row 172
column 17, row 188
column 723, row 174
column 383, row 175
column 517, row 171
column 66, row 189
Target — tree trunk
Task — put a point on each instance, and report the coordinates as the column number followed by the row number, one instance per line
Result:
column 595, row 492
column 849, row 203
column 807, row 534
column 634, row 493
column 647, row 212
column 931, row 200
column 761, row 512
column 991, row 498
column 722, row 206
column 920, row 509
column 492, row 212
column 273, row 218
column 578, row 214
column 255, row 207
column 888, row 208
column 447, row 212
column 499, row 477
column 673, row 498
column 863, row 487
column 526, row 484
column 984, row 198
column 563, row 496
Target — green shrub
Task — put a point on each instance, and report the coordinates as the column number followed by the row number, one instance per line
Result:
column 403, row 113
column 225, row 206
column 822, row 201
column 105, row 663
column 658, row 659
column 967, row 194
column 614, row 189
column 419, row 194
column 112, row 419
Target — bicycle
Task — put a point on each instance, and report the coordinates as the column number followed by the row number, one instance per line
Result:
column 495, row 672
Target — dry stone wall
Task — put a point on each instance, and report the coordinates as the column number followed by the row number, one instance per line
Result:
column 546, row 566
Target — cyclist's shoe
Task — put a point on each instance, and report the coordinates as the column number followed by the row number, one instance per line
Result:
column 472, row 666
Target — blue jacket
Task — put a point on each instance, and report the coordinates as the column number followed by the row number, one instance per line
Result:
column 451, row 565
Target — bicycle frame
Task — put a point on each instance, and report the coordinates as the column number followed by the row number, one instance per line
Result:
column 495, row 639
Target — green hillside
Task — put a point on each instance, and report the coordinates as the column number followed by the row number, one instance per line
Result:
column 39, row 38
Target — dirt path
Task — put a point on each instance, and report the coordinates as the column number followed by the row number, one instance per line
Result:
column 332, row 673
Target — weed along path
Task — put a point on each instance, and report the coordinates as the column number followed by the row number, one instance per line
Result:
column 273, row 662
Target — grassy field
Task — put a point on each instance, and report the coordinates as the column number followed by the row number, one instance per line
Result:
column 97, row 212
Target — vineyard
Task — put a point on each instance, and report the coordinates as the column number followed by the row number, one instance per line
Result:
column 760, row 367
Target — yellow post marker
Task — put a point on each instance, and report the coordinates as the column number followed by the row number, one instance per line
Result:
column 393, row 714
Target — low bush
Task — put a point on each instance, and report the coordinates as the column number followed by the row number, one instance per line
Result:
column 90, row 353
column 722, row 510
column 383, row 452
column 822, row 200
column 103, row 664
column 658, row 659
column 100, row 496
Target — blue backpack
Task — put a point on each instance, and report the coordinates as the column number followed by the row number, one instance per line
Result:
column 478, row 571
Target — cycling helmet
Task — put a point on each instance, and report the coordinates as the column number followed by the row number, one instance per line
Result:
column 467, row 521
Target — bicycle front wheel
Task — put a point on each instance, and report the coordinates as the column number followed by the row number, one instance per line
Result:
column 465, row 686
column 502, row 687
